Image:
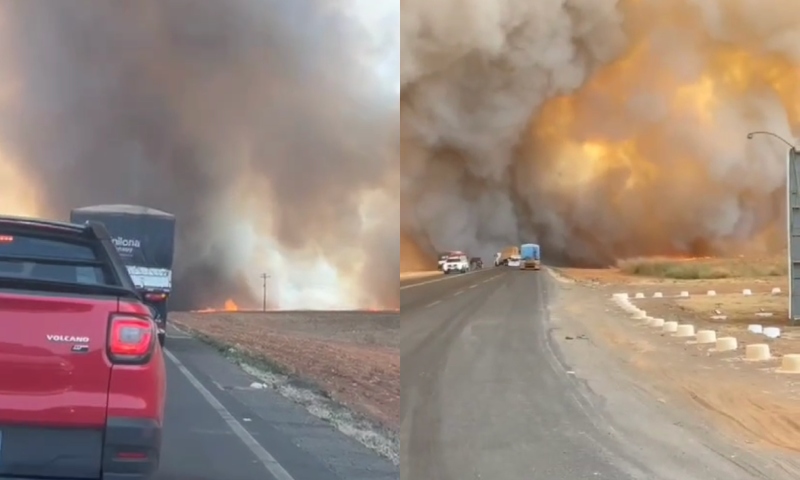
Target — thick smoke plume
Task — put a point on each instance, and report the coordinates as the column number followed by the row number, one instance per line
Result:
column 599, row 128
column 251, row 120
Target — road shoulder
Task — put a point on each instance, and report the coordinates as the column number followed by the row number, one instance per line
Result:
column 197, row 441
column 307, row 445
column 351, row 356
column 646, row 395
column 347, row 385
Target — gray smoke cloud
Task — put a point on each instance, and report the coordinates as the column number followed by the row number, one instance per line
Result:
column 248, row 119
column 599, row 128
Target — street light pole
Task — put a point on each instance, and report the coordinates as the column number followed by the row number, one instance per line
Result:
column 792, row 215
column 264, row 278
column 775, row 135
column 793, row 153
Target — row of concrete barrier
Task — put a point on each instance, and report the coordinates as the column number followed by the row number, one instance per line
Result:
column 685, row 294
column 756, row 352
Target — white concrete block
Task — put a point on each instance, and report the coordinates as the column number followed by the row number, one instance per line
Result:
column 757, row 352
column 726, row 344
column 657, row 323
column 706, row 336
column 670, row 327
column 790, row 363
column 771, row 332
column 685, row 330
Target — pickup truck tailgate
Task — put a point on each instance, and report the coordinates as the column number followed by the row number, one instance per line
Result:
column 54, row 377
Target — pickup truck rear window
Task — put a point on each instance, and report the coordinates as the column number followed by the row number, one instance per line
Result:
column 29, row 257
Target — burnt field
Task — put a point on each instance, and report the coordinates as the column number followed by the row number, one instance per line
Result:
column 353, row 356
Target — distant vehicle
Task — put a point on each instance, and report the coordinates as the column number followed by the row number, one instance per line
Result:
column 530, row 256
column 475, row 263
column 445, row 255
column 456, row 263
column 84, row 380
column 145, row 239
column 442, row 259
column 513, row 261
column 505, row 255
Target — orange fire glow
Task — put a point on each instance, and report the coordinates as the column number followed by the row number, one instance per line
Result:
column 229, row 306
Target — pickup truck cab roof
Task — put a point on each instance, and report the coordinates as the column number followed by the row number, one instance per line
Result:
column 125, row 209
column 91, row 235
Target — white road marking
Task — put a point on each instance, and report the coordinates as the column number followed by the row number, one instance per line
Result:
column 272, row 465
column 174, row 331
column 473, row 285
column 178, row 335
column 458, row 293
column 443, row 277
column 433, row 303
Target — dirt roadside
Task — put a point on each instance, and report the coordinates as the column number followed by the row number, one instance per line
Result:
column 353, row 357
column 420, row 274
column 750, row 401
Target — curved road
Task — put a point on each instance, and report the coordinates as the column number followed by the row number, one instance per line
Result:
column 218, row 428
column 487, row 394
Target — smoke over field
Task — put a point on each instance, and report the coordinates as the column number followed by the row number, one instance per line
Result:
column 601, row 129
column 262, row 125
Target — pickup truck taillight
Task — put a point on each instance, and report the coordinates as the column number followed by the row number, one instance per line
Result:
column 131, row 339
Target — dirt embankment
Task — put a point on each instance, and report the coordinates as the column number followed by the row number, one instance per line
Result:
column 352, row 356
column 423, row 274
column 749, row 400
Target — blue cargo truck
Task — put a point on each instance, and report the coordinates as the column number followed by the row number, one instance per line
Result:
column 530, row 257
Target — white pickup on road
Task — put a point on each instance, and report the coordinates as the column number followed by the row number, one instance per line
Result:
column 458, row 264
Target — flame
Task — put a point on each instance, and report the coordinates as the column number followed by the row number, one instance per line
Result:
column 633, row 142
column 230, row 306
column 598, row 142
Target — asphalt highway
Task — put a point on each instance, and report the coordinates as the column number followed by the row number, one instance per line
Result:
column 218, row 428
column 487, row 393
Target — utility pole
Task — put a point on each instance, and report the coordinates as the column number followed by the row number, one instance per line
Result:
column 264, row 278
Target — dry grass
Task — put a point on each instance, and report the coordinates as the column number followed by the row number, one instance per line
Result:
column 738, row 308
column 706, row 268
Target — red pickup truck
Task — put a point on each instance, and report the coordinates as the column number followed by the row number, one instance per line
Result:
column 82, row 375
